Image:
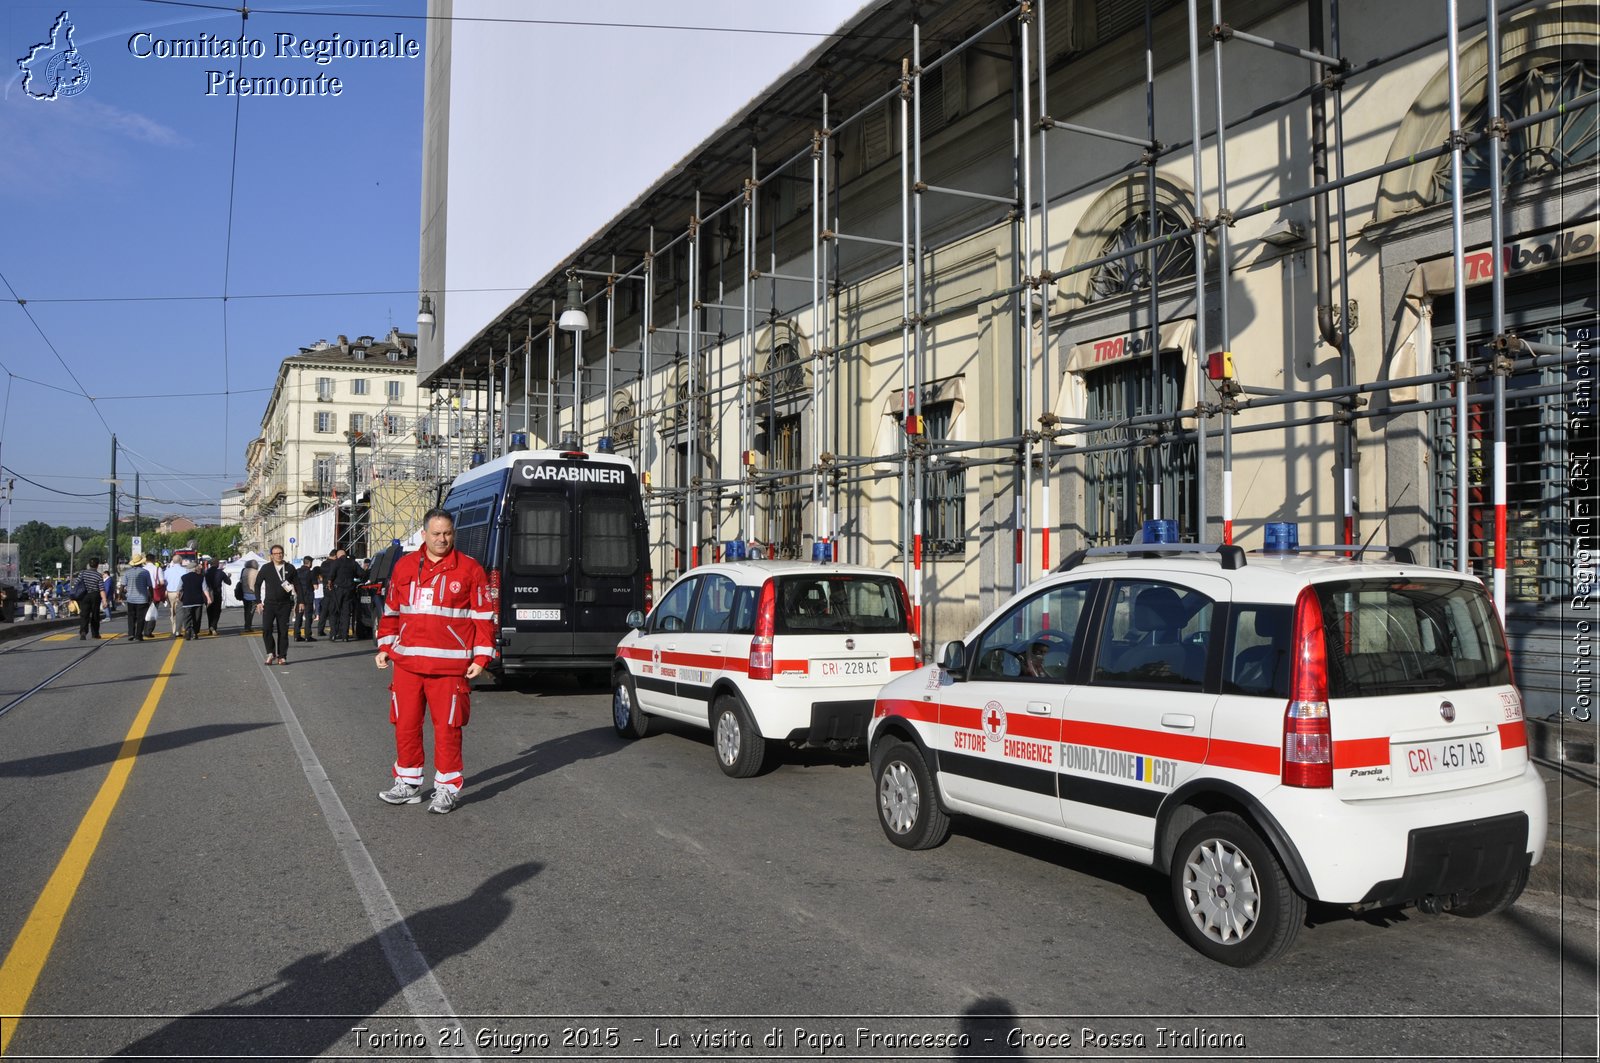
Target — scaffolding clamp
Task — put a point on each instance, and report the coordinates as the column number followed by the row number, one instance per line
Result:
column 1500, row 361
column 905, row 79
column 1457, row 139
column 1225, row 216
column 1462, row 372
column 1152, row 154
column 1335, row 78
column 1025, row 11
column 1498, row 128
column 816, row 143
column 1222, row 32
column 1046, row 122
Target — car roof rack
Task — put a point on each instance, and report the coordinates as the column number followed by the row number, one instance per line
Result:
column 1401, row 554
column 1230, row 557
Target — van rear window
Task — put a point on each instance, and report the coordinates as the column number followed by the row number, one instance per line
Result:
column 539, row 535
column 824, row 603
column 1410, row 636
column 607, row 536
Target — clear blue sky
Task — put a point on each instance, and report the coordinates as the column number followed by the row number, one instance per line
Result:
column 115, row 207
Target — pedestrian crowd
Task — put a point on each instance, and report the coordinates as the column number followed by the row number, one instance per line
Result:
column 434, row 625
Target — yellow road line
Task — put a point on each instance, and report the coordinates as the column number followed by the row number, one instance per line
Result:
column 23, row 964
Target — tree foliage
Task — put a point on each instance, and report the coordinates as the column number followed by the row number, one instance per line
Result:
column 39, row 545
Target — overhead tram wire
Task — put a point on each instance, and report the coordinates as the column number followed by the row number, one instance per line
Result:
column 227, row 246
column 23, row 303
column 266, row 295
column 574, row 23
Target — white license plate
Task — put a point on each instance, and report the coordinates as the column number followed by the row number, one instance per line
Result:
column 1437, row 758
column 538, row 614
column 865, row 667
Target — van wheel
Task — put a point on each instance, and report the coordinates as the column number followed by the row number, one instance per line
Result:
column 1234, row 901
column 1491, row 900
column 740, row 749
column 625, row 714
column 908, row 806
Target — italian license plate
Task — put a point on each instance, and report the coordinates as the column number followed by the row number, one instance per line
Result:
column 538, row 614
column 862, row 667
column 1437, row 758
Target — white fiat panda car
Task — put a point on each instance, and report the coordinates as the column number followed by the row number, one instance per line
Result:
column 764, row 653
column 1264, row 729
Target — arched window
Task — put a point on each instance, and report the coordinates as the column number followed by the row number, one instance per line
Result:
column 1547, row 147
column 1547, row 57
column 1120, row 219
column 1171, row 261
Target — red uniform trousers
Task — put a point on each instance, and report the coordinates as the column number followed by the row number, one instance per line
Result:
column 448, row 701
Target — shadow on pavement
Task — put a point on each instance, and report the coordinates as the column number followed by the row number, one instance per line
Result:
column 539, row 760
column 315, row 1003
column 95, row 756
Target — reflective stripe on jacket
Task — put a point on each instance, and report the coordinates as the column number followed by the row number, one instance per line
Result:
column 438, row 617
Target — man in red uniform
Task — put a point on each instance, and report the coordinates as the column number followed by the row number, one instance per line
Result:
column 438, row 628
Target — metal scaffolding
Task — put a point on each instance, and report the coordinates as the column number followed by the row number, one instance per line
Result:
column 677, row 406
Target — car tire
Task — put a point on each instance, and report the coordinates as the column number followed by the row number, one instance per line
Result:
column 735, row 739
column 908, row 804
column 1491, row 900
column 1233, row 899
column 626, row 716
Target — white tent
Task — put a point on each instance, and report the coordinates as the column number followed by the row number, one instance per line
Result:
column 233, row 569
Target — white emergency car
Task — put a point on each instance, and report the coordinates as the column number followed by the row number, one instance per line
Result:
column 765, row 652
column 1264, row 729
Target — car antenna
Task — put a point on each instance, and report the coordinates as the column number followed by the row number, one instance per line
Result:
column 1382, row 523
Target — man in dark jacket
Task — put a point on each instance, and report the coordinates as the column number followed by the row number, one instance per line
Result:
column 305, row 584
column 215, row 578
column 194, row 596
column 339, row 585
column 88, row 589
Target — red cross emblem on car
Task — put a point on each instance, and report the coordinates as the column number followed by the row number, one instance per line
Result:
column 994, row 720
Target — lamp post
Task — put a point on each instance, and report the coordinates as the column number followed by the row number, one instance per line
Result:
column 356, row 439
column 576, row 321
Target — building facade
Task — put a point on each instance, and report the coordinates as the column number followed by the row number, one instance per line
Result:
column 967, row 289
column 341, row 417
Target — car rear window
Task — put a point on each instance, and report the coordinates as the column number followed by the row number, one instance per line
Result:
column 829, row 602
column 1409, row 636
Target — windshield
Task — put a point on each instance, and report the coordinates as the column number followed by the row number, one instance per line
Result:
column 1405, row 636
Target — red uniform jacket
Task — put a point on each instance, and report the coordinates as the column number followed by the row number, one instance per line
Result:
column 438, row 617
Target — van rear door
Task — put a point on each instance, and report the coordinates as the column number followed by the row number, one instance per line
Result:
column 607, row 581
column 536, row 590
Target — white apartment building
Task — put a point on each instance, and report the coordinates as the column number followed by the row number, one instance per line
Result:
column 341, row 416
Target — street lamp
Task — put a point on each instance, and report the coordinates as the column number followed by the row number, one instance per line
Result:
column 425, row 311
column 356, row 439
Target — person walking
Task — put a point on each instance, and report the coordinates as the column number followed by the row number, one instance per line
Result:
column 137, row 589
column 194, row 596
column 438, row 629
column 275, row 585
column 172, row 576
column 249, row 576
column 89, row 592
column 338, row 580
column 215, row 578
column 305, row 579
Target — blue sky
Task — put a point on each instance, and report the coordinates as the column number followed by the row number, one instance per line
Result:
column 115, row 228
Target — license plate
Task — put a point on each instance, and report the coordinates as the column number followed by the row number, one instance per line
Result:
column 1437, row 758
column 538, row 614
column 865, row 667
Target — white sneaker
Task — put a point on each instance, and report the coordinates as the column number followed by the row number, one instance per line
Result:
column 402, row 793
column 443, row 801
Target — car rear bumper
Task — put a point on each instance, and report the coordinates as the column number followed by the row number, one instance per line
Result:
column 1394, row 850
column 835, row 725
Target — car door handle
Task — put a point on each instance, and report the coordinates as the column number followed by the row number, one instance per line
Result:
column 716, row 649
column 672, row 645
column 1177, row 720
column 1039, row 708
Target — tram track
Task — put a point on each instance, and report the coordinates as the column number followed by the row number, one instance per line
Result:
column 25, row 695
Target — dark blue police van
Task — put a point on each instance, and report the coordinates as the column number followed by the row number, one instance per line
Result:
column 561, row 534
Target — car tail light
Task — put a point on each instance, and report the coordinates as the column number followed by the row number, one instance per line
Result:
column 766, row 621
column 494, row 587
column 649, row 590
column 1307, row 729
column 911, row 623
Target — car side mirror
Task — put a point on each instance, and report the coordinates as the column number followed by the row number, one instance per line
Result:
column 634, row 619
column 953, row 659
